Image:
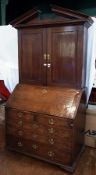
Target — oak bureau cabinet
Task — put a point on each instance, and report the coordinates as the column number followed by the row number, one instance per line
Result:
column 45, row 115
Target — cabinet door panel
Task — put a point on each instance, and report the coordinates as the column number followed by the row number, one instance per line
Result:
column 62, row 50
column 32, row 45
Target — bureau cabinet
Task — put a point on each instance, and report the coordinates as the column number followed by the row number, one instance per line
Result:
column 45, row 115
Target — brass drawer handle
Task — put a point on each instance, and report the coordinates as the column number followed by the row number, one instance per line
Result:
column 34, row 146
column 20, row 144
column 51, row 141
column 50, row 153
column 51, row 121
column 20, row 114
column 20, row 133
column 51, row 130
column 20, row 123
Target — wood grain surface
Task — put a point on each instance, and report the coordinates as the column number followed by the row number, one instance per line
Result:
column 61, row 102
column 18, row 164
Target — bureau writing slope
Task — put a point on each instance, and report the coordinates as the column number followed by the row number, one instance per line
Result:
column 45, row 114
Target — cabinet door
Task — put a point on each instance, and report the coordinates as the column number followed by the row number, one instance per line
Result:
column 62, row 60
column 32, row 46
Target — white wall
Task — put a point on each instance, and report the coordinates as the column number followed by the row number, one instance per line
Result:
column 9, row 56
column 91, row 56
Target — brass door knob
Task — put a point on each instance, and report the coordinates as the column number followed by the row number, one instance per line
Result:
column 44, row 64
column 48, row 65
column 48, row 57
column 45, row 56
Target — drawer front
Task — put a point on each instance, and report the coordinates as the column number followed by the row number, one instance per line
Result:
column 63, row 140
column 58, row 133
column 29, row 118
column 42, row 151
column 13, row 116
column 40, row 128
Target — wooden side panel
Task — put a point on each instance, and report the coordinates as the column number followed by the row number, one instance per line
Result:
column 62, row 46
column 31, row 49
column 81, row 57
column 79, row 126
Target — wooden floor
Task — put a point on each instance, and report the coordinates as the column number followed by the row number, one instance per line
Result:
column 12, row 163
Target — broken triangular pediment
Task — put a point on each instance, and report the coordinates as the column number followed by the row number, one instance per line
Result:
column 56, row 15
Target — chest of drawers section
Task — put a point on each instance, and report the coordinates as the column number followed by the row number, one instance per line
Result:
column 43, row 136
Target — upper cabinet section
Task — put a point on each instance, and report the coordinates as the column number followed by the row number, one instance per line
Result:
column 55, row 15
column 52, row 47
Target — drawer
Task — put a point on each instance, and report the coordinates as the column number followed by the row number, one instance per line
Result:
column 13, row 116
column 29, row 118
column 40, row 130
column 61, row 137
column 43, row 151
column 57, row 155
column 14, row 143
